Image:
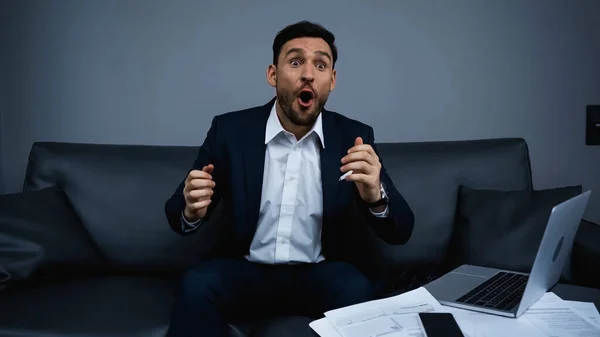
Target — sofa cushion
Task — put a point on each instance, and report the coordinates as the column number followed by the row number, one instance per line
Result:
column 40, row 236
column 503, row 229
column 586, row 255
column 110, row 306
column 4, row 277
column 119, row 193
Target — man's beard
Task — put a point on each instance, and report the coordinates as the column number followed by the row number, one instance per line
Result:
column 286, row 101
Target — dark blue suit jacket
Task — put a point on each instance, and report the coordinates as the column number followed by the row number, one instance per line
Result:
column 235, row 146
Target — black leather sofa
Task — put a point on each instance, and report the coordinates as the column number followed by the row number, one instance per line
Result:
column 114, row 271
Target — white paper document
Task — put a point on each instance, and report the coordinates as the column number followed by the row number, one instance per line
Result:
column 398, row 316
column 323, row 328
column 556, row 318
column 391, row 317
column 476, row 324
column 586, row 309
column 550, row 316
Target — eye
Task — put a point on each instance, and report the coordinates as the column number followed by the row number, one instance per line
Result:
column 295, row 63
column 321, row 65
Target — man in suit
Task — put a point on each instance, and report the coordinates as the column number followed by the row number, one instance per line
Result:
column 276, row 168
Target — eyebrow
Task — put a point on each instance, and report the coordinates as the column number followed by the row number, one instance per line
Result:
column 322, row 53
column 301, row 51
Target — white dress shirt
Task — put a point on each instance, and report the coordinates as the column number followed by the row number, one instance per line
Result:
column 291, row 207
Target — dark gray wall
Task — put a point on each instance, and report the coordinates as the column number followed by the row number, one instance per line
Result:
column 156, row 72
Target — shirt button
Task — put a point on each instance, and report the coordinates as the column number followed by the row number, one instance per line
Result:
column 283, row 241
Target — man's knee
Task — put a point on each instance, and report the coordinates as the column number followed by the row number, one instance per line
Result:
column 197, row 285
column 350, row 287
column 358, row 289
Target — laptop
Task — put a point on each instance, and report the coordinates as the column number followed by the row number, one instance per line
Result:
column 509, row 293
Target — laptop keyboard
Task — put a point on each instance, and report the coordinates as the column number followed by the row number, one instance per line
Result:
column 502, row 291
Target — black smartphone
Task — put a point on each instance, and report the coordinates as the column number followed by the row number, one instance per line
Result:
column 440, row 324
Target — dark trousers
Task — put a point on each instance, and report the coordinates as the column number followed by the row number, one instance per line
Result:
column 221, row 291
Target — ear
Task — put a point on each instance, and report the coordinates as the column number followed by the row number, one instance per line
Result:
column 333, row 79
column 272, row 75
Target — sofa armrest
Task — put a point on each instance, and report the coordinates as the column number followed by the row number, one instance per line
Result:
column 576, row 293
column 585, row 257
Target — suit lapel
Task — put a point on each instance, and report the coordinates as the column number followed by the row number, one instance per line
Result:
column 331, row 157
column 254, row 162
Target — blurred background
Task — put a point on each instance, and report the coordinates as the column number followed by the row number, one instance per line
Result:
column 156, row 72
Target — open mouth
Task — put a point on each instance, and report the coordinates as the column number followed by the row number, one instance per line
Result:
column 306, row 97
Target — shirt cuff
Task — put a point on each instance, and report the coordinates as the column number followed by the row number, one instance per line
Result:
column 187, row 226
column 383, row 214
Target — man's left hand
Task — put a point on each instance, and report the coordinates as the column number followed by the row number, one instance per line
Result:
column 365, row 166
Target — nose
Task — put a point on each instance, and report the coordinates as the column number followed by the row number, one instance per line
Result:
column 307, row 74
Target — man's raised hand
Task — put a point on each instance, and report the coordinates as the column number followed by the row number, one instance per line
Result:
column 197, row 192
column 365, row 165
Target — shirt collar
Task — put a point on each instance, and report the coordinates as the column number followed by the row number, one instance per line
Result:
column 274, row 127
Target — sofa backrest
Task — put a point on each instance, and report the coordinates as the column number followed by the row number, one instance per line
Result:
column 123, row 188
column 428, row 175
column 119, row 193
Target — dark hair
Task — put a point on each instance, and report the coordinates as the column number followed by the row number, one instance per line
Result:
column 303, row 29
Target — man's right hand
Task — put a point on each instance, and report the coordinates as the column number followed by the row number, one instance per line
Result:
column 197, row 192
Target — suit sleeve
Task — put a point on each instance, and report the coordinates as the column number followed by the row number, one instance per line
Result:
column 397, row 227
column 207, row 154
